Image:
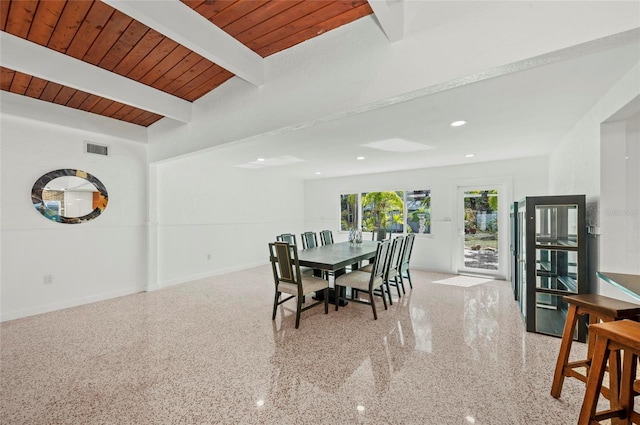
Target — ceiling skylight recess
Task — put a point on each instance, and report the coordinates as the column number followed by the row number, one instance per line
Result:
column 398, row 145
column 278, row 161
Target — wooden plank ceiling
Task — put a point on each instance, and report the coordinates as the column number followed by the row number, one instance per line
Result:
column 96, row 33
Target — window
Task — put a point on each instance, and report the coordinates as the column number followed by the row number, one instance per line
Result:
column 383, row 210
column 349, row 211
column 396, row 211
column 419, row 211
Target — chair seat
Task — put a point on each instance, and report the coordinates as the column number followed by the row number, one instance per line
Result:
column 624, row 332
column 358, row 280
column 366, row 268
column 309, row 284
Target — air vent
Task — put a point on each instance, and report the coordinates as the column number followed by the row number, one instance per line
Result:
column 97, row 149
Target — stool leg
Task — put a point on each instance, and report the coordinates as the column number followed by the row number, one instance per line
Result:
column 591, row 342
column 565, row 349
column 614, row 366
column 627, row 394
column 594, row 382
column 614, row 382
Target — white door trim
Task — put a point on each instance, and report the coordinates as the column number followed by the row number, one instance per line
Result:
column 505, row 196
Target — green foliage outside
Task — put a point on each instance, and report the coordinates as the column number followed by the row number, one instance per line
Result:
column 381, row 210
column 349, row 208
column 480, row 201
column 424, row 210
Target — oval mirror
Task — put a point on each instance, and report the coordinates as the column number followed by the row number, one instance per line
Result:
column 69, row 196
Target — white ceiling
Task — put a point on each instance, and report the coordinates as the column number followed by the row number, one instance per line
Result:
column 525, row 111
column 521, row 114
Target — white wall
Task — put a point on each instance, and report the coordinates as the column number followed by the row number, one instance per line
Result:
column 209, row 207
column 92, row 261
column 437, row 252
column 576, row 167
column 620, row 198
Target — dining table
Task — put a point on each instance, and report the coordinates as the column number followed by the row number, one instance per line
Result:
column 335, row 258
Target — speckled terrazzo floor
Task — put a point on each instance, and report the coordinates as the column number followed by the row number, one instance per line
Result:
column 207, row 352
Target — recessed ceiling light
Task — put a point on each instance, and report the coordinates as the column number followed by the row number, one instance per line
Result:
column 260, row 159
column 470, row 155
column 458, row 123
column 360, row 158
column 318, row 172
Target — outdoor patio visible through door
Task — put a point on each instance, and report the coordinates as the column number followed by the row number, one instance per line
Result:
column 480, row 230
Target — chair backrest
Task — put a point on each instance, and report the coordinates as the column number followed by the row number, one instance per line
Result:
column 380, row 263
column 326, row 237
column 406, row 251
column 284, row 263
column 394, row 257
column 309, row 240
column 379, row 235
column 290, row 238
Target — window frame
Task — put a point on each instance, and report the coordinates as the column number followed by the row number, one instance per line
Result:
column 405, row 210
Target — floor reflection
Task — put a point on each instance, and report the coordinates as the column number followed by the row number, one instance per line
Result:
column 327, row 362
column 207, row 352
column 421, row 325
column 480, row 322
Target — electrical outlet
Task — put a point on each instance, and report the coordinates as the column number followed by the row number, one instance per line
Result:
column 48, row 279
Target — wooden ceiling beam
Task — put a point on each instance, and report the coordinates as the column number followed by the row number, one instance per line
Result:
column 30, row 58
column 390, row 16
column 183, row 25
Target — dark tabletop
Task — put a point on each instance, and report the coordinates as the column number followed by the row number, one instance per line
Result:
column 337, row 256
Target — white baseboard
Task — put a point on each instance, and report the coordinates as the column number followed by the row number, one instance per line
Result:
column 32, row 311
column 191, row 278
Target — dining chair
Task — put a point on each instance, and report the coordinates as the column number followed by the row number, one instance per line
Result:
column 326, row 237
column 366, row 282
column 379, row 235
column 287, row 237
column 290, row 238
column 407, row 248
column 392, row 272
column 309, row 240
column 289, row 280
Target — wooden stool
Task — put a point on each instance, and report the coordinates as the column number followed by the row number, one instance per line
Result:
column 610, row 338
column 600, row 309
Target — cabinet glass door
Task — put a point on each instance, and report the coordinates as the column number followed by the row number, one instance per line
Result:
column 556, row 263
column 513, row 249
column 522, row 258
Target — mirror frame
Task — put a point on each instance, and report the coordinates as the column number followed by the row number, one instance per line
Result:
column 42, row 182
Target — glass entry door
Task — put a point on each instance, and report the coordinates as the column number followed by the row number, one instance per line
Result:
column 482, row 239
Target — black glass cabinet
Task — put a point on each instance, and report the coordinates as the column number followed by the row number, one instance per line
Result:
column 549, row 259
